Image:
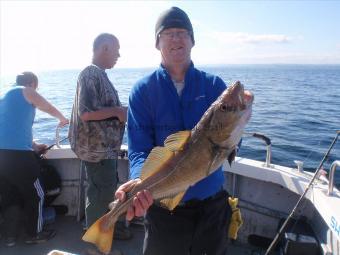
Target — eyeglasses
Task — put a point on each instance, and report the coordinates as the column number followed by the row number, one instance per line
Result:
column 172, row 35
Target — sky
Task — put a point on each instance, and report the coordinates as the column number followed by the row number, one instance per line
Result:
column 58, row 35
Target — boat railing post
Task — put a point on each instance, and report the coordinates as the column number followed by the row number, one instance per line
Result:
column 268, row 146
column 269, row 155
column 57, row 137
column 299, row 165
column 331, row 177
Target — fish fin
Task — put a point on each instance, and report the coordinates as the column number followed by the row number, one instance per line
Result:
column 231, row 157
column 176, row 141
column 100, row 235
column 171, row 203
column 157, row 157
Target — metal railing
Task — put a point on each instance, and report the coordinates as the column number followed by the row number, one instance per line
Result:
column 268, row 144
column 331, row 177
column 299, row 165
column 57, row 137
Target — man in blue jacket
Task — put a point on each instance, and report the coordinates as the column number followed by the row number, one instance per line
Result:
column 174, row 98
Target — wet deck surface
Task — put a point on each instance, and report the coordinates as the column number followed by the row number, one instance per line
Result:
column 68, row 239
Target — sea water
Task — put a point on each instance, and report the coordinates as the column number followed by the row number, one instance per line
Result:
column 296, row 106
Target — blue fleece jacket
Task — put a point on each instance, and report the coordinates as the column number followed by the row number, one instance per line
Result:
column 156, row 111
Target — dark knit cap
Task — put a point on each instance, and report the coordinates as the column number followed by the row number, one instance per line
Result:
column 173, row 18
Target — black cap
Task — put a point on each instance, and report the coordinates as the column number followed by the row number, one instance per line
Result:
column 173, row 18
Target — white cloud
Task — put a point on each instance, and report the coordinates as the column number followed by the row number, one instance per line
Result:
column 239, row 37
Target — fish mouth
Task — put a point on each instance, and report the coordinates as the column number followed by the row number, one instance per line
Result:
column 236, row 98
column 248, row 97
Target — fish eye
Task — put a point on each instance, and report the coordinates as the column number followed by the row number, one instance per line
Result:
column 223, row 107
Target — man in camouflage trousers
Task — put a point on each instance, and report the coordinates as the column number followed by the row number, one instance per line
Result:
column 97, row 127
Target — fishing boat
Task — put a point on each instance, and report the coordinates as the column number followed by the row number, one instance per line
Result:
column 267, row 195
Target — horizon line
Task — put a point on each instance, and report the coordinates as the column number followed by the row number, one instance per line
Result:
column 198, row 66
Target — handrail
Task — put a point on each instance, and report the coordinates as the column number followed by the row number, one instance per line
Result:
column 57, row 137
column 269, row 146
column 268, row 155
column 331, row 177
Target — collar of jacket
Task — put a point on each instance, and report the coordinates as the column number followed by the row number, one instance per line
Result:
column 165, row 74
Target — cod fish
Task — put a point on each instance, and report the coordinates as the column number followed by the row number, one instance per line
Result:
column 186, row 158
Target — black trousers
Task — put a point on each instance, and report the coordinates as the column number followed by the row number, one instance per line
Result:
column 20, row 188
column 195, row 228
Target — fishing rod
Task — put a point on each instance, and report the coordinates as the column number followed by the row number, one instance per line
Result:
column 50, row 147
column 284, row 225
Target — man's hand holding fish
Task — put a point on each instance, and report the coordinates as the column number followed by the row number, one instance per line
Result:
column 141, row 202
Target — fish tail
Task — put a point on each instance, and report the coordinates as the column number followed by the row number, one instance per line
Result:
column 100, row 234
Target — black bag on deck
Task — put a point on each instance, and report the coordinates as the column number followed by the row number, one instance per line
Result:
column 51, row 182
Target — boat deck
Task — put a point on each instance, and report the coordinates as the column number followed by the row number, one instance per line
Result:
column 68, row 239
